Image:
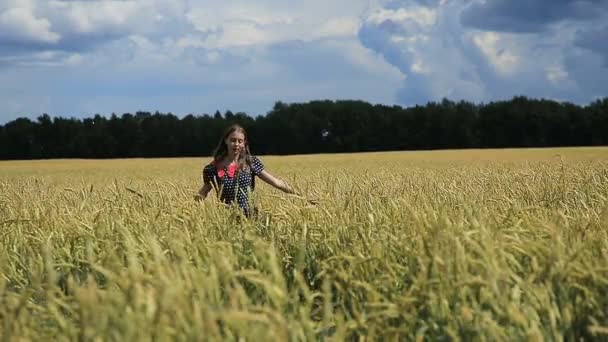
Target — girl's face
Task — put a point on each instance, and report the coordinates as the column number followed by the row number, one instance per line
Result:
column 235, row 142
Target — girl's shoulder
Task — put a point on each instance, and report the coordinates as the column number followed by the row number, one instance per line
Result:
column 255, row 160
column 256, row 165
column 211, row 165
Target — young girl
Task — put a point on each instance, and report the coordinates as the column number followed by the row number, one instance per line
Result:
column 233, row 170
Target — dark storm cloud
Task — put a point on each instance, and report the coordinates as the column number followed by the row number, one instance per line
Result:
column 595, row 40
column 377, row 38
column 525, row 16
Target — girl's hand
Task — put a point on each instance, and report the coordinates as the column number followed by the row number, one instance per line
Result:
column 202, row 193
column 276, row 182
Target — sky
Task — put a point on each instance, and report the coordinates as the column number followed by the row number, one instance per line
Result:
column 80, row 58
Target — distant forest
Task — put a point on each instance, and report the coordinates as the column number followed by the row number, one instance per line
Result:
column 314, row 127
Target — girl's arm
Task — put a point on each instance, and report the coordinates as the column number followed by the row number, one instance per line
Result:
column 202, row 193
column 276, row 182
column 281, row 185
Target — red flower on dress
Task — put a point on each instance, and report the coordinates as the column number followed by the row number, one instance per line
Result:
column 231, row 170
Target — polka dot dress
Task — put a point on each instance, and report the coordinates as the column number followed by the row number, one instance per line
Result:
column 231, row 183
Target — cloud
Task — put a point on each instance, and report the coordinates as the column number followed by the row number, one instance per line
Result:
column 588, row 71
column 443, row 52
column 418, row 40
column 105, row 66
column 80, row 57
column 289, row 72
column 92, row 17
column 420, row 15
column 338, row 27
column 527, row 15
column 20, row 25
column 492, row 45
column 47, row 58
column 85, row 25
column 269, row 22
column 594, row 40
column 82, row 26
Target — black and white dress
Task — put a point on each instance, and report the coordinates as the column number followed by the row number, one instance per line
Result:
column 232, row 184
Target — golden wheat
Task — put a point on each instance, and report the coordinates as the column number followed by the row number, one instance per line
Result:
column 483, row 245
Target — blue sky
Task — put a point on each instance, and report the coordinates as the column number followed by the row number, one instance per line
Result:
column 78, row 58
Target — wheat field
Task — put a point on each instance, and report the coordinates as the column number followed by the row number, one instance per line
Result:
column 443, row 245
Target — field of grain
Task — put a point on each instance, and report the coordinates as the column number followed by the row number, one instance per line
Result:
column 442, row 245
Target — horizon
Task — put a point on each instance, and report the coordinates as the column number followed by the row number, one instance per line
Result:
column 196, row 115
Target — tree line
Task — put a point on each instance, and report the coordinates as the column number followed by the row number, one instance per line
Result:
column 314, row 127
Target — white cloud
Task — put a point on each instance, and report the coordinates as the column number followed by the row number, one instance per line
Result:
column 48, row 58
column 74, row 59
column 368, row 61
column 420, row 68
column 421, row 15
column 204, row 20
column 90, row 17
column 498, row 52
column 556, row 74
column 339, row 27
column 8, row 4
column 242, row 25
column 427, row 50
column 239, row 34
column 413, row 39
column 269, row 22
column 20, row 24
